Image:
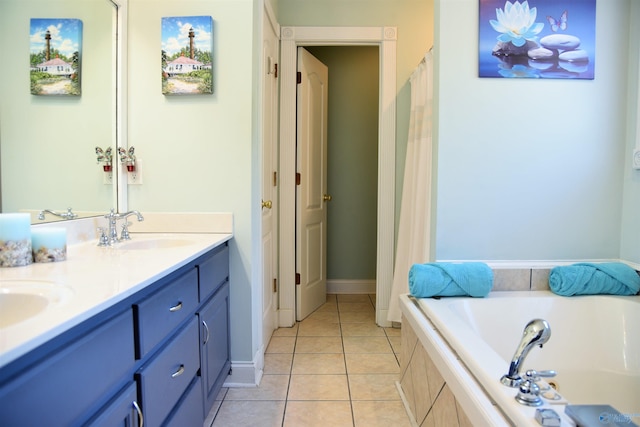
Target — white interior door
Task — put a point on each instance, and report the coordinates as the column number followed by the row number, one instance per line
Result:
column 311, row 188
column 269, row 181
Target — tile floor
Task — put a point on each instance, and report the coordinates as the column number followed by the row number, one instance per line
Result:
column 335, row 368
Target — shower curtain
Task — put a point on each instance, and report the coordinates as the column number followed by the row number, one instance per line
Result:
column 414, row 238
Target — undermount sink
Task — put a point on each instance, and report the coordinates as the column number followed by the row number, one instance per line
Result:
column 157, row 243
column 23, row 299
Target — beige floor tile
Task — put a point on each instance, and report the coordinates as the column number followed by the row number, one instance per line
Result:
column 393, row 332
column 281, row 345
column 366, row 345
column 319, row 329
column 319, row 345
column 344, row 307
column 353, row 298
column 396, row 344
column 380, row 414
column 286, row 332
column 318, row 387
column 250, row 414
column 315, row 363
column 358, row 316
column 272, row 387
column 381, row 363
column 318, row 414
column 361, row 330
column 278, row 363
column 373, row 387
column 328, row 306
column 323, row 316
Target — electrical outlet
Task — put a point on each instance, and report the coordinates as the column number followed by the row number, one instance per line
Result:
column 107, row 178
column 135, row 177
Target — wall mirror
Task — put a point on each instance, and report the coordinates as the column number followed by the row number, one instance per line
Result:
column 48, row 142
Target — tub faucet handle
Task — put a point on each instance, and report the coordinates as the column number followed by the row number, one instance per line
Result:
column 529, row 393
column 536, row 376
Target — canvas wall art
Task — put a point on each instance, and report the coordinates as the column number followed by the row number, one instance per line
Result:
column 55, row 56
column 187, row 45
column 553, row 39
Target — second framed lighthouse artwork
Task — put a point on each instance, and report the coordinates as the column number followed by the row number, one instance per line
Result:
column 187, row 44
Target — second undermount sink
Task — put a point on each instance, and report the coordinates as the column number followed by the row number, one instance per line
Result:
column 21, row 300
column 154, row 243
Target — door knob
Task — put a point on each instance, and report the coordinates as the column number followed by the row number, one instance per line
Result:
column 266, row 204
column 327, row 198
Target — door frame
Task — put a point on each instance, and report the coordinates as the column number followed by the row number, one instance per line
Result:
column 290, row 39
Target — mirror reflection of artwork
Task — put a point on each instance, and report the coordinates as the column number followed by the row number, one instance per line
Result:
column 187, row 43
column 55, row 53
column 553, row 39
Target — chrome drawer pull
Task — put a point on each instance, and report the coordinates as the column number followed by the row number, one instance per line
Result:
column 179, row 372
column 206, row 328
column 176, row 307
column 139, row 411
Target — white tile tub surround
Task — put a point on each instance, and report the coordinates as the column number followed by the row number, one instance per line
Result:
column 465, row 338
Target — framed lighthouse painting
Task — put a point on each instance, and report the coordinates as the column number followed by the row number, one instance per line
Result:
column 55, row 53
column 187, row 44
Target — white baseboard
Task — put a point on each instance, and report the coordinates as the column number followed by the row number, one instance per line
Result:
column 246, row 374
column 351, row 286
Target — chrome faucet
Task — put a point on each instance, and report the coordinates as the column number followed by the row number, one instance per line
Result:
column 112, row 237
column 64, row 215
column 536, row 332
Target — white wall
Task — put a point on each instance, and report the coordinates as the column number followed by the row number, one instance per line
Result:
column 197, row 150
column 529, row 169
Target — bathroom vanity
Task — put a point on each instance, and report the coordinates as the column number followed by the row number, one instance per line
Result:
column 131, row 332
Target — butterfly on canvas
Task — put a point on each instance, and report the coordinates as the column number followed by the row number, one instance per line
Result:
column 560, row 24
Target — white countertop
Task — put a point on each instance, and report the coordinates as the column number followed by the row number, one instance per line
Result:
column 92, row 279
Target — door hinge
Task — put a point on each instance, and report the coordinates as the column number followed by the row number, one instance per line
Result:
column 298, row 77
column 297, row 278
column 275, row 285
column 275, row 178
column 275, row 70
column 297, row 178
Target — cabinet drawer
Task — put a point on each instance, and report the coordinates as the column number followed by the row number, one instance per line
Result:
column 163, row 311
column 213, row 272
column 189, row 411
column 65, row 388
column 165, row 378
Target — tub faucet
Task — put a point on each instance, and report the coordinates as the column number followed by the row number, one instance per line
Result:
column 536, row 332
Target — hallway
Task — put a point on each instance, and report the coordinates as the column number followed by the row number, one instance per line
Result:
column 335, row 368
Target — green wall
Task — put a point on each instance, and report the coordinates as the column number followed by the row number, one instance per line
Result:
column 352, row 160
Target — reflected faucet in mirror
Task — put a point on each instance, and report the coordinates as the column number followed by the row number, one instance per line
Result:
column 64, row 215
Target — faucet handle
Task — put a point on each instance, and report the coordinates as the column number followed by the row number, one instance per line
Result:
column 103, row 239
column 536, row 376
column 124, row 235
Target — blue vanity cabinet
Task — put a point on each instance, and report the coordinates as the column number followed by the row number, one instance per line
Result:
column 68, row 380
column 145, row 356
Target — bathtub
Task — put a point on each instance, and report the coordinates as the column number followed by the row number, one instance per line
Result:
column 594, row 347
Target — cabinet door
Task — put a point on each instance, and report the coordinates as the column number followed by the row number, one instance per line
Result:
column 123, row 411
column 214, row 336
column 68, row 387
column 189, row 409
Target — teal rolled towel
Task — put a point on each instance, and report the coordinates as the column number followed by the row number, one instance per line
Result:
column 447, row 279
column 611, row 278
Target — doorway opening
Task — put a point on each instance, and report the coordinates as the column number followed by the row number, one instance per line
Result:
column 384, row 38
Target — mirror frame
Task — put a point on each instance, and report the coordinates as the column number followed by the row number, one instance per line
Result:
column 120, row 57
